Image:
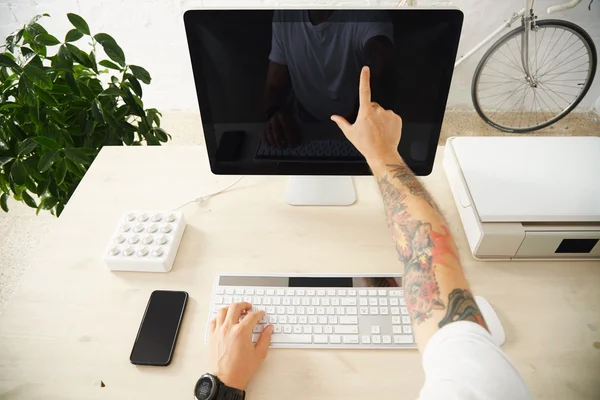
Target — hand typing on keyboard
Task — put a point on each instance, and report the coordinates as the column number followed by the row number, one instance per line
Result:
column 234, row 358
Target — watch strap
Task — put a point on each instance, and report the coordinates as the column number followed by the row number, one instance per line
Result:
column 228, row 393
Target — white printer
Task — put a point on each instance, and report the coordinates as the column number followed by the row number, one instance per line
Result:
column 525, row 198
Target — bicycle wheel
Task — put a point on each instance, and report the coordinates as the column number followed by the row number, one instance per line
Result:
column 562, row 61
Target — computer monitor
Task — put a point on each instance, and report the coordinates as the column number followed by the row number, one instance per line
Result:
column 268, row 81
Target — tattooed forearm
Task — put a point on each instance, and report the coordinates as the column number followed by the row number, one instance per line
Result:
column 407, row 178
column 462, row 307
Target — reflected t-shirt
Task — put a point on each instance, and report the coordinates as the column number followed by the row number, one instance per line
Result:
column 324, row 60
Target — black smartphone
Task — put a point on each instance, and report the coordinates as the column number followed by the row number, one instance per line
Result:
column 158, row 331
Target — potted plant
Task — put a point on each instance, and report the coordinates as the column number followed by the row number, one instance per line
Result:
column 59, row 105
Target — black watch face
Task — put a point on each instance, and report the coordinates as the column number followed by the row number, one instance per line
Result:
column 205, row 388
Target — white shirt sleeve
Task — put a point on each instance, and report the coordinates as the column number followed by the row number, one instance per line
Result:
column 461, row 361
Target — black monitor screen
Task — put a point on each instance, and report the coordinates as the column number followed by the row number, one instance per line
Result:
column 268, row 82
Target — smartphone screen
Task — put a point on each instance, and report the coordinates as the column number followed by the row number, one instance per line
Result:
column 157, row 335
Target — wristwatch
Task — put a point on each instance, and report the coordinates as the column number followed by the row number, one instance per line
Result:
column 209, row 387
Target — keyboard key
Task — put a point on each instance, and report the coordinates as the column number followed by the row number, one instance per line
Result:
column 335, row 339
column 249, row 291
column 297, row 329
column 382, row 292
column 397, row 329
column 300, row 310
column 402, row 301
column 266, row 301
column 237, row 299
column 406, row 320
column 396, row 320
column 394, row 302
column 372, row 302
column 299, row 339
column 321, row 292
column 289, row 292
column 229, row 291
column 320, row 310
column 332, row 320
column 351, row 310
column 330, row 310
column 292, row 319
column 276, row 301
column 364, row 301
column 404, row 310
column 260, row 292
column 395, row 310
column 376, row 339
column 310, row 310
column 407, row 329
column 328, row 329
column 228, row 300
column 362, row 292
column 307, row 329
column 280, row 310
column 310, row 292
column 351, row 292
column 384, row 311
column 375, row 329
column 331, row 292
column 315, row 301
column 364, row 311
column 365, row 339
column 301, row 292
column 257, row 329
column 394, row 293
column 220, row 290
column 219, row 300
column 264, row 320
column 270, row 310
column 239, row 291
column 348, row 301
column 303, row 319
column 383, row 302
column 403, row 339
column 270, row 292
column 346, row 329
column 341, row 292
column 248, row 299
column 287, row 329
column 335, row 301
column 347, row 320
column 272, row 319
column 256, row 301
column 277, row 329
column 305, row 301
column 350, row 339
column 386, row 339
column 322, row 320
column 290, row 310
column 340, row 311
column 286, row 301
column 372, row 292
column 373, row 311
column 325, row 302
column 280, row 292
column 318, row 329
column 283, row 319
column 320, row 339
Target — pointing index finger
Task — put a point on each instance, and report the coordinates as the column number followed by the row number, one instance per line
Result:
column 364, row 89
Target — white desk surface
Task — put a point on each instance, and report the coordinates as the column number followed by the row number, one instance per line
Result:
column 72, row 322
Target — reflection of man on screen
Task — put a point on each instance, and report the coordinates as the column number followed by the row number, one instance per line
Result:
column 315, row 63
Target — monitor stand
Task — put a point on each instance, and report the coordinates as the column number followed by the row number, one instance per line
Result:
column 320, row 191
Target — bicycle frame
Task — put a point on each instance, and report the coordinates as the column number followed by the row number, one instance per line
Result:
column 525, row 20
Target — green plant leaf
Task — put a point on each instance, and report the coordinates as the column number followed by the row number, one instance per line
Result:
column 161, row 134
column 47, row 159
column 47, row 39
column 47, row 142
column 71, row 82
column 4, row 160
column 38, row 76
column 80, row 56
column 6, row 61
column 135, row 84
column 46, row 97
column 76, row 155
column 79, row 23
column 43, row 186
column 109, row 64
column 73, row 35
column 4, row 201
column 111, row 91
column 48, row 202
column 111, row 48
column 9, row 106
column 92, row 57
column 18, row 173
column 96, row 111
column 85, row 91
column 28, row 199
column 30, row 185
column 74, row 168
column 27, row 146
column 60, row 172
column 59, row 209
column 141, row 74
column 64, row 57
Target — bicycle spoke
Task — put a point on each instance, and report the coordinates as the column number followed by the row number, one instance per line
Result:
column 550, row 52
column 567, row 60
column 519, row 67
column 558, row 95
column 510, row 66
column 565, row 72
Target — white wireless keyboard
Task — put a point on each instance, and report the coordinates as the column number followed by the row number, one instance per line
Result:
column 318, row 311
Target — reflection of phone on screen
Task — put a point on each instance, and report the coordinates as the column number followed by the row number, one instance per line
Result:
column 157, row 335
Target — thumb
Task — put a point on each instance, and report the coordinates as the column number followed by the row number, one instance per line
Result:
column 264, row 340
column 341, row 123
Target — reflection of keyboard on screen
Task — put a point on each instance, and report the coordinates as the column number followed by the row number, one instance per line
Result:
column 316, row 150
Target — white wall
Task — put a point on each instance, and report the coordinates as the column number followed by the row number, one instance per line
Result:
column 152, row 35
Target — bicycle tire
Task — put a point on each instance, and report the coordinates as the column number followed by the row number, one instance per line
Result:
column 583, row 35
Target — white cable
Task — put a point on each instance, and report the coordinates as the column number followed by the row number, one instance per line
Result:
column 202, row 199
